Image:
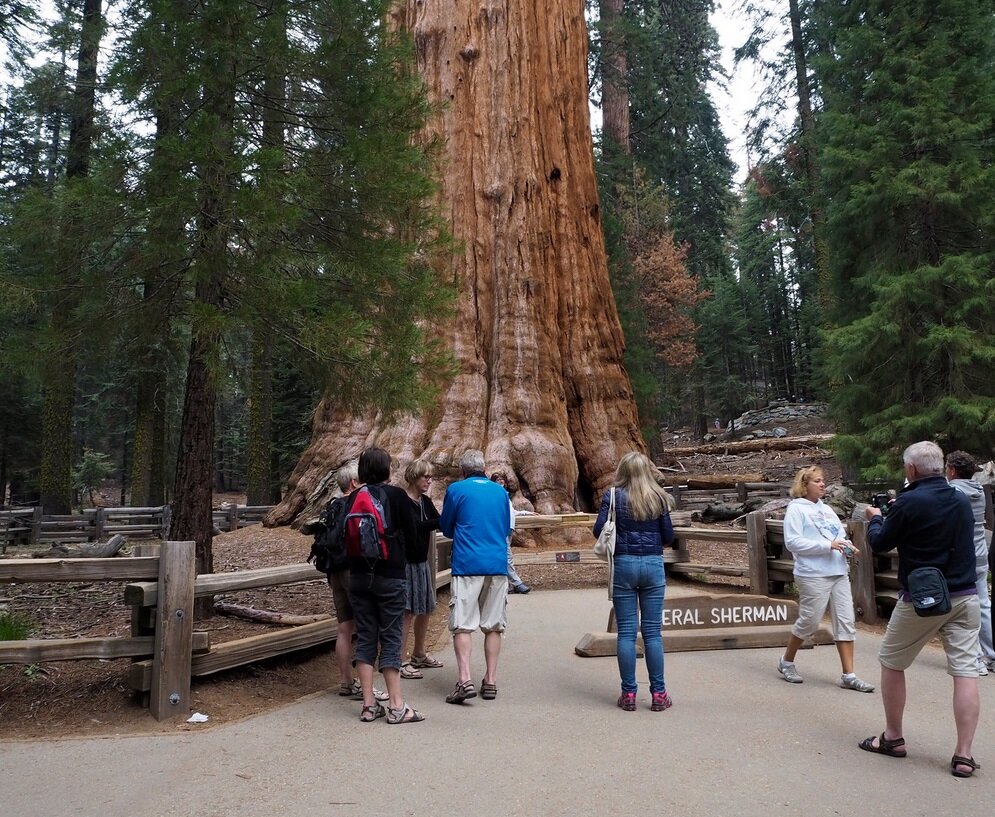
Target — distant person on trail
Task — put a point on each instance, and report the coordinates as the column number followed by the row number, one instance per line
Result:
column 477, row 516
column 420, row 574
column 932, row 525
column 515, row 583
column 378, row 586
column 817, row 540
column 960, row 469
column 643, row 529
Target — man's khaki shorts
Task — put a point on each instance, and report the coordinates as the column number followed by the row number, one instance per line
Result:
column 339, row 582
column 478, row 601
column 908, row 633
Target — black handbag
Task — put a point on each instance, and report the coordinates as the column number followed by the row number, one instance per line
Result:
column 929, row 591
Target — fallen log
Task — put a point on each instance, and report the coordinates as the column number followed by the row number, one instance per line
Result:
column 707, row 481
column 760, row 444
column 96, row 550
column 266, row 616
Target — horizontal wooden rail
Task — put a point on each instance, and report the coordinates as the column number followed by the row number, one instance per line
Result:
column 78, row 570
column 36, row 651
column 243, row 651
column 694, row 568
column 710, row 535
column 145, row 594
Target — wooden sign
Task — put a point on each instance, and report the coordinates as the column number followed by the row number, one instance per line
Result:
column 707, row 612
column 704, row 622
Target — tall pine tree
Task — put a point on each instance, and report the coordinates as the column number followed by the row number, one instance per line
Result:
column 906, row 149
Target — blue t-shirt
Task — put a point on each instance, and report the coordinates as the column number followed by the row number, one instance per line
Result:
column 478, row 517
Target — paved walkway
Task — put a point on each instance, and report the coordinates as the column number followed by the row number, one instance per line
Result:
column 739, row 741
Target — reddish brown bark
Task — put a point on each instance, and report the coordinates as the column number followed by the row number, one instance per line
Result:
column 540, row 386
column 614, row 78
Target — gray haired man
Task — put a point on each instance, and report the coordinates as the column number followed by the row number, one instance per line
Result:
column 931, row 525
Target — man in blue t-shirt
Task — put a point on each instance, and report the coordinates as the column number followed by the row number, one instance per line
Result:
column 477, row 516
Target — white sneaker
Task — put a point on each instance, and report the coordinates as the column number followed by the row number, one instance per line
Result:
column 856, row 684
column 982, row 667
column 788, row 671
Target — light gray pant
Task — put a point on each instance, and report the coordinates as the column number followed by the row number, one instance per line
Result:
column 984, row 599
column 513, row 578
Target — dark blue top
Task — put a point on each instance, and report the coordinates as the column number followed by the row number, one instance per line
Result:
column 634, row 537
column 932, row 525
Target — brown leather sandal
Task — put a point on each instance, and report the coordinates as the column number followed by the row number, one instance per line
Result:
column 958, row 760
column 891, row 748
column 488, row 691
column 371, row 713
column 464, row 691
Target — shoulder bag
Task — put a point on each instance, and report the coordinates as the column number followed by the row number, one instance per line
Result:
column 604, row 548
column 929, row 591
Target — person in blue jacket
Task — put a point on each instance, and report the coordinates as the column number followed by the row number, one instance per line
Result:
column 643, row 529
column 478, row 517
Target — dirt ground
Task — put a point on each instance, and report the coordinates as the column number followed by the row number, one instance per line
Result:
column 91, row 697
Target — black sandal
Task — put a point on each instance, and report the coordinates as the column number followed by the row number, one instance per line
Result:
column 464, row 690
column 958, row 760
column 371, row 713
column 885, row 746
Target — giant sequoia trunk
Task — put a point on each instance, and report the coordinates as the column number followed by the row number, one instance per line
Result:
column 540, row 385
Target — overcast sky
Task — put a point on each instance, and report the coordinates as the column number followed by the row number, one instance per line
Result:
column 735, row 98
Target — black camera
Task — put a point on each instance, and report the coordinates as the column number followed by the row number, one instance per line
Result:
column 883, row 502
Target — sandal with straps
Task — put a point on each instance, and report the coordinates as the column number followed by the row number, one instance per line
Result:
column 371, row 713
column 885, row 747
column 464, row 691
column 425, row 662
column 406, row 714
column 959, row 760
column 409, row 672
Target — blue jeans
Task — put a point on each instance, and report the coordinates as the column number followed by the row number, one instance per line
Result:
column 638, row 591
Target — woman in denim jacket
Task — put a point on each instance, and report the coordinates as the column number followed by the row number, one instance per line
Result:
column 643, row 529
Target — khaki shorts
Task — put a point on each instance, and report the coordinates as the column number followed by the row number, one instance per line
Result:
column 815, row 594
column 339, row 582
column 908, row 633
column 478, row 601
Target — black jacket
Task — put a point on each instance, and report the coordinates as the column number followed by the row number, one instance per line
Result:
column 426, row 521
column 932, row 525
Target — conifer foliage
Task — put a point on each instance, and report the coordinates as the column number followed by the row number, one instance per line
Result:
column 250, row 174
column 907, row 137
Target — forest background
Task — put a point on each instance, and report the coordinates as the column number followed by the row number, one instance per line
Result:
column 209, row 212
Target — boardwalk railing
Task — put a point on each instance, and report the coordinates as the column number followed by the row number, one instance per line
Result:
column 161, row 591
column 28, row 526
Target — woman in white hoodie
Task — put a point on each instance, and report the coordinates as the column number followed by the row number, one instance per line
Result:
column 817, row 539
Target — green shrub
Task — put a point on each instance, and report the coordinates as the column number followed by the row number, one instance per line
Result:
column 14, row 627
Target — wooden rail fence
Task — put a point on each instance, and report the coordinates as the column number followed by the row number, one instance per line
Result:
column 161, row 590
column 28, row 526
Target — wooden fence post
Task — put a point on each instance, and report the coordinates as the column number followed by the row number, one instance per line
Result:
column 99, row 518
column 167, row 522
column 756, row 548
column 741, row 492
column 862, row 574
column 36, row 520
column 232, row 517
column 171, row 662
column 677, row 496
